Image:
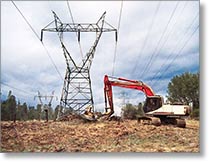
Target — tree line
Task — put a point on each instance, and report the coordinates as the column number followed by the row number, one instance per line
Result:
column 11, row 110
column 182, row 89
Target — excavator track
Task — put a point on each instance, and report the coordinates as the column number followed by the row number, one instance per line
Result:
column 181, row 123
column 150, row 120
column 156, row 121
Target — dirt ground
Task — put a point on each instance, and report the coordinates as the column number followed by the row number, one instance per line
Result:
column 108, row 136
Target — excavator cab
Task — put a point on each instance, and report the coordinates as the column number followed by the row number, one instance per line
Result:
column 152, row 103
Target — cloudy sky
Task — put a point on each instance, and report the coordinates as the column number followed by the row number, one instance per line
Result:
column 156, row 41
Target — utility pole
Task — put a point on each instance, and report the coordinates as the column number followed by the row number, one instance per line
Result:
column 45, row 107
column 77, row 90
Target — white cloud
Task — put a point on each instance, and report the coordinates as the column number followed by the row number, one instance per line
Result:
column 25, row 63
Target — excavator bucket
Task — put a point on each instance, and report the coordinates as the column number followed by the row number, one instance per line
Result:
column 88, row 115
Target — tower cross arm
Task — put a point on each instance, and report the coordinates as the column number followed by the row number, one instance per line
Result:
column 78, row 28
column 58, row 26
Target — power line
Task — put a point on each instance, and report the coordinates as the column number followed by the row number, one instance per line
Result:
column 147, row 35
column 168, row 36
column 183, row 8
column 184, row 45
column 70, row 11
column 71, row 15
column 5, row 84
column 158, row 43
column 177, row 42
column 25, row 19
column 53, row 62
column 116, row 44
column 38, row 38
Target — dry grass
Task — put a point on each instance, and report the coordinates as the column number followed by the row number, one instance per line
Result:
column 112, row 136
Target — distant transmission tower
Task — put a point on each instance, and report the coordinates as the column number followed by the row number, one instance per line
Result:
column 77, row 91
column 124, row 97
column 45, row 107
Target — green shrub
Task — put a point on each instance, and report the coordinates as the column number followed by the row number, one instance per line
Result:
column 195, row 114
column 129, row 112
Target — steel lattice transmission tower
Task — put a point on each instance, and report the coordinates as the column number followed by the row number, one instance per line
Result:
column 77, row 91
column 45, row 107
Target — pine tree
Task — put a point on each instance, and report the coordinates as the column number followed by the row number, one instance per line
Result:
column 11, row 107
column 185, row 89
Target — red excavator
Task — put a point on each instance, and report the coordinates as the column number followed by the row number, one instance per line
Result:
column 154, row 108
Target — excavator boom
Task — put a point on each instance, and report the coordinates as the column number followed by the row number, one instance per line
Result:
column 131, row 84
column 124, row 83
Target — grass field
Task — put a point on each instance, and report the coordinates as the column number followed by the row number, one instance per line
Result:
column 108, row 136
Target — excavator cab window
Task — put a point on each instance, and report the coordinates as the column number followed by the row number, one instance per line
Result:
column 152, row 103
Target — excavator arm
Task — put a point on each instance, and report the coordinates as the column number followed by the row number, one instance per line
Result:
column 124, row 83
